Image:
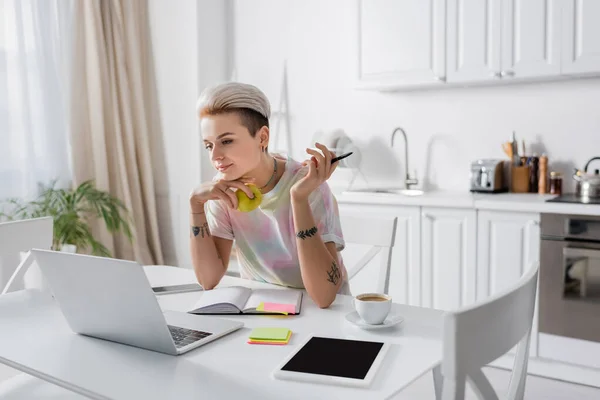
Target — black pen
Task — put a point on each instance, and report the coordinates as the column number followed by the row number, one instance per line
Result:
column 338, row 158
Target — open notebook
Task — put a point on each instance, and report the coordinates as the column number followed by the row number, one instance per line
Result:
column 242, row 300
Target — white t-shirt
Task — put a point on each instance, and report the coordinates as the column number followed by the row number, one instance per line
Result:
column 265, row 238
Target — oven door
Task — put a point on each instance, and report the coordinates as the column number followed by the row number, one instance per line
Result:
column 569, row 303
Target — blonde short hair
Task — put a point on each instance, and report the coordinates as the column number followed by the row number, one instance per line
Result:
column 248, row 101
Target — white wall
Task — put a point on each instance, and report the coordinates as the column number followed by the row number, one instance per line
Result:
column 173, row 26
column 190, row 42
column 446, row 128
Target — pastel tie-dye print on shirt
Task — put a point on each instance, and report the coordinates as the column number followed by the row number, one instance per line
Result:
column 265, row 237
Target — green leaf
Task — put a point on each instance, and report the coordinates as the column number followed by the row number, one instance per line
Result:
column 72, row 211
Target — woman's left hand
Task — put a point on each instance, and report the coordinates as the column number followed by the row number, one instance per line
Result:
column 320, row 169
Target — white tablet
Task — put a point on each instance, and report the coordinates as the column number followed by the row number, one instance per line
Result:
column 334, row 361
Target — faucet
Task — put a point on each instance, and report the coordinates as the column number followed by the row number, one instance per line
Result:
column 408, row 181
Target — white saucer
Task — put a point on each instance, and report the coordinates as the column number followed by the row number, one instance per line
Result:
column 390, row 320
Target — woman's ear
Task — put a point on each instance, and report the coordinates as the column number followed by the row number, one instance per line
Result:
column 263, row 134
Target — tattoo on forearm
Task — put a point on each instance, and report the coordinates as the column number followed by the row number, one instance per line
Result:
column 307, row 233
column 201, row 230
column 334, row 274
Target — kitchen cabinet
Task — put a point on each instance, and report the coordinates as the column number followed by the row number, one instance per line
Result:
column 401, row 42
column 494, row 40
column 448, row 257
column 474, row 29
column 426, row 43
column 580, row 37
column 405, row 274
column 433, row 258
column 508, row 243
column 531, row 39
column 405, row 267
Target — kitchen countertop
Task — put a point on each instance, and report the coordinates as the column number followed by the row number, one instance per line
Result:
column 518, row 202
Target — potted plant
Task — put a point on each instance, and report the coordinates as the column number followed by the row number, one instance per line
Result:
column 72, row 211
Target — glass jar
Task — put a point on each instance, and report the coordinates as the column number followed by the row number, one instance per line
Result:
column 555, row 183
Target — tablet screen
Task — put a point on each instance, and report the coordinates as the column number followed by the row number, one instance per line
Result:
column 335, row 357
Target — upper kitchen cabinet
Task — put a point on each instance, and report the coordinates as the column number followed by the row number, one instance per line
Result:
column 531, row 42
column 493, row 40
column 474, row 40
column 405, row 44
column 448, row 257
column 401, row 43
column 581, row 37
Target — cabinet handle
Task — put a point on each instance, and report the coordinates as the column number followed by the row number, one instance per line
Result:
column 440, row 78
column 496, row 75
column 426, row 215
column 507, row 73
column 534, row 222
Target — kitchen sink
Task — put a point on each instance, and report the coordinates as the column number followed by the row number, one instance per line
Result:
column 403, row 192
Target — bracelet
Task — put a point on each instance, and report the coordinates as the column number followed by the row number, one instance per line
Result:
column 198, row 213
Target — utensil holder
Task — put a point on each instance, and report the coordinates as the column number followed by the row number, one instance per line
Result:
column 519, row 179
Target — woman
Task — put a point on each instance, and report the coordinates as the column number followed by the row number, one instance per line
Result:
column 293, row 238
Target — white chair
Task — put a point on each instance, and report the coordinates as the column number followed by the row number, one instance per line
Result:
column 377, row 232
column 17, row 237
column 477, row 335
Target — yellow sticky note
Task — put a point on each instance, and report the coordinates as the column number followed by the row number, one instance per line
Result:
column 266, row 332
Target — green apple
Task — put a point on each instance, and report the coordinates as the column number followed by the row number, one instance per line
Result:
column 245, row 203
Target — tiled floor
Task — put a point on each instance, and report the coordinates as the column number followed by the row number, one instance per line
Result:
column 537, row 388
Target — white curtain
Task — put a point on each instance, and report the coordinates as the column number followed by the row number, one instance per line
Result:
column 114, row 116
column 35, row 42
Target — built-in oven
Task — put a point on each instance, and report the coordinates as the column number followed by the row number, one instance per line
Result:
column 569, row 288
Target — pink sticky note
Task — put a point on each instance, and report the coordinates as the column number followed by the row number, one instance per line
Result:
column 276, row 307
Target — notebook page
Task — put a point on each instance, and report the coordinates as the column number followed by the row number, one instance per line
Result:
column 236, row 295
column 281, row 296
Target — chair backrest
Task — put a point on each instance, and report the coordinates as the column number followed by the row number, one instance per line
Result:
column 21, row 236
column 477, row 335
column 378, row 232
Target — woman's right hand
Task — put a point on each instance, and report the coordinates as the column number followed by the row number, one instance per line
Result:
column 219, row 190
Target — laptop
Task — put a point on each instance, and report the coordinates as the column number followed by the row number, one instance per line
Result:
column 112, row 299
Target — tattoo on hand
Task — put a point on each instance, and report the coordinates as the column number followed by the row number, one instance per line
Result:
column 307, row 233
column 201, row 230
column 334, row 274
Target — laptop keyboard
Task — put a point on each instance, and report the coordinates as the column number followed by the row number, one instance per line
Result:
column 183, row 337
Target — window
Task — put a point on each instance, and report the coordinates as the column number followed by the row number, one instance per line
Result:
column 34, row 60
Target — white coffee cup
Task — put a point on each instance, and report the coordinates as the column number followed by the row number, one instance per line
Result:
column 373, row 307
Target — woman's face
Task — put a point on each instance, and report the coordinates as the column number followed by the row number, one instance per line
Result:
column 233, row 151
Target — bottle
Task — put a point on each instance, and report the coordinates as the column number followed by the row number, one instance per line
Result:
column 555, row 183
column 533, row 173
column 543, row 177
column 578, row 182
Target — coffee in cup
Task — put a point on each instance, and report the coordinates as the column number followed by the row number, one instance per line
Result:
column 373, row 308
column 373, row 298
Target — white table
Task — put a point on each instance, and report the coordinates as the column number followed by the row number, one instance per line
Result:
column 35, row 338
